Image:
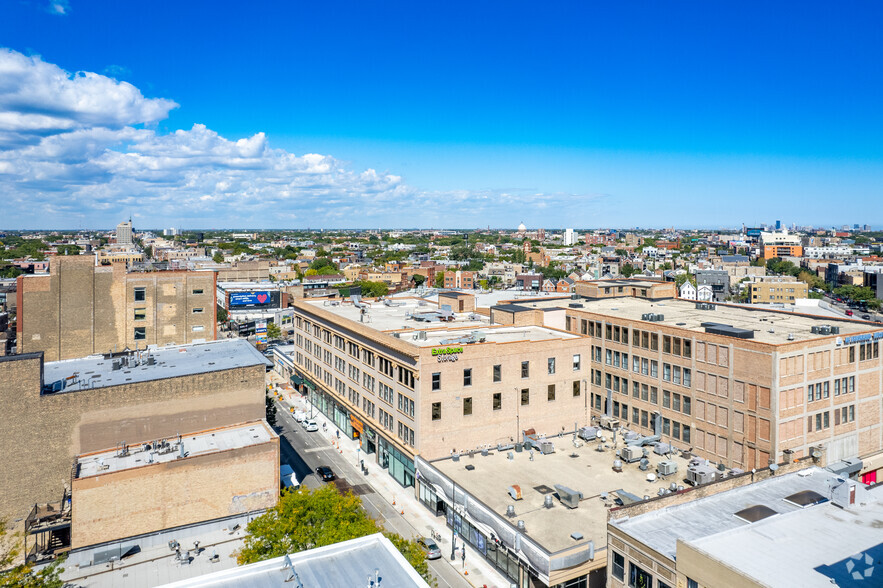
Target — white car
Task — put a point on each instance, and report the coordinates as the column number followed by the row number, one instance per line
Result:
column 311, row 426
column 299, row 416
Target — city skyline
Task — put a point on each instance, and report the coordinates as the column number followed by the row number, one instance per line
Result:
column 572, row 116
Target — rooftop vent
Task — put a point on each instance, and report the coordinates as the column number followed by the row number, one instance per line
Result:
column 755, row 513
column 728, row 330
column 704, row 306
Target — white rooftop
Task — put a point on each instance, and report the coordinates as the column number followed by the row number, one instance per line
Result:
column 146, row 454
column 97, row 371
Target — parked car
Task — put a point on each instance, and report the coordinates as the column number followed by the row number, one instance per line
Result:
column 310, row 426
column 299, row 416
column 866, row 317
column 325, row 474
column 848, row 312
column 429, row 547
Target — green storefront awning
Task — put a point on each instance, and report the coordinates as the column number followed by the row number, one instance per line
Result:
column 310, row 385
column 297, row 380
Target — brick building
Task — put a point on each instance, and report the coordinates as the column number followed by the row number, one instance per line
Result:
column 58, row 410
column 80, row 309
column 738, row 386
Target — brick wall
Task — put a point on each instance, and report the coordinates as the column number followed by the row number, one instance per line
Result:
column 159, row 496
column 41, row 434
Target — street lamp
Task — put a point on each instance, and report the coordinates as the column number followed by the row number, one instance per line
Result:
column 453, row 532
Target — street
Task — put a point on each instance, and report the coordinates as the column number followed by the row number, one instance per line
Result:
column 304, row 452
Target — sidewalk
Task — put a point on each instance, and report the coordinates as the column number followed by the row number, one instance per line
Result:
column 478, row 572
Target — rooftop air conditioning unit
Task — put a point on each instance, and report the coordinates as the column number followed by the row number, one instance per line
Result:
column 666, row 468
column 588, row 433
column 835, row 330
column 569, row 498
column 608, row 422
column 546, row 447
column 647, row 316
column 701, row 474
column 631, row 454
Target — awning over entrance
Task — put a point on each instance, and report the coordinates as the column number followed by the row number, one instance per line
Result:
column 297, row 380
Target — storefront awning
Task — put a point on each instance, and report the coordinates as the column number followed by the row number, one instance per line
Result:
column 297, row 380
column 310, row 385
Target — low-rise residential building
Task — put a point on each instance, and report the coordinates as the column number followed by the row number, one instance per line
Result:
column 776, row 289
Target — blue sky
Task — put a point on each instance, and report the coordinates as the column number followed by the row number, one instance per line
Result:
column 446, row 114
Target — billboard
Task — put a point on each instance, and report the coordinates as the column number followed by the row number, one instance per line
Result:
column 256, row 299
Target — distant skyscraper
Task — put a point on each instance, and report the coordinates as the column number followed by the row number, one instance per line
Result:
column 778, row 225
column 569, row 237
column 124, row 233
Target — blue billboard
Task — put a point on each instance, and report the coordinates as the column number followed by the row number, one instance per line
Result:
column 254, row 299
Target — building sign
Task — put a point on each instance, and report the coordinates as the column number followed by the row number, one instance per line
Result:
column 857, row 338
column 257, row 298
column 444, row 354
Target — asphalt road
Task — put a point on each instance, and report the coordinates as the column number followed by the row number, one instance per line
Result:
column 841, row 308
column 304, row 452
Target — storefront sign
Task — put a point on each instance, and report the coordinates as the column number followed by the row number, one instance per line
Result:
column 857, row 338
column 357, row 424
column 447, row 353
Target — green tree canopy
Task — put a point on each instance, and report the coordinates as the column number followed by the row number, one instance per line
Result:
column 305, row 519
column 273, row 331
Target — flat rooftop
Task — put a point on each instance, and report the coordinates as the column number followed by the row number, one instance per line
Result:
column 819, row 546
column 174, row 361
column 684, row 314
column 582, row 469
column 416, row 324
column 140, row 455
column 715, row 514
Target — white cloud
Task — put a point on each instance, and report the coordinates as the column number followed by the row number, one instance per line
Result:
column 60, row 7
column 74, row 152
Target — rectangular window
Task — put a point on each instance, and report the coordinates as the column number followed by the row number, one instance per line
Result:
column 644, row 367
column 197, row 291
column 618, row 570
column 467, row 377
column 498, row 373
column 636, row 364
column 140, row 314
column 625, row 335
column 666, row 399
column 676, row 374
column 197, row 311
column 498, row 400
column 638, row 578
column 688, row 348
column 666, row 344
column 676, row 346
column 467, row 406
column 654, row 342
column 676, row 429
column 666, row 372
column 525, row 369
column 688, row 377
column 436, row 381
column 819, row 422
column 576, row 388
column 809, row 424
column 676, row 402
column 826, row 422
column 525, row 396
column 140, row 333
column 551, row 392
column 636, row 415
column 654, row 395
column 836, row 387
column 577, row 362
column 685, row 434
column 198, row 328
column 826, row 391
column 436, row 410
column 851, row 412
column 140, row 294
column 654, row 369
column 551, row 365
column 687, row 405
column 608, row 357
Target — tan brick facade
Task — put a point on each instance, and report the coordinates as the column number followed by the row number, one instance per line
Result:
column 162, row 495
column 80, row 309
column 42, row 433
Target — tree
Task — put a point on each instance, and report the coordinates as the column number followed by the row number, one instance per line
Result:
column 273, row 331
column 24, row 576
column 305, row 519
column 218, row 257
column 440, row 279
column 627, row 270
column 68, row 249
column 373, row 289
column 222, row 315
column 270, row 411
column 418, row 279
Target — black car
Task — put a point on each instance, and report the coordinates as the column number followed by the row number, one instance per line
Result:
column 325, row 474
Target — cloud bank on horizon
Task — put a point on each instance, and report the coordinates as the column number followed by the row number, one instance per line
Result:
column 83, row 149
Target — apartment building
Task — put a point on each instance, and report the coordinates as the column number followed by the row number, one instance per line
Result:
column 460, row 279
column 81, row 308
column 738, row 386
column 408, row 378
column 769, row 289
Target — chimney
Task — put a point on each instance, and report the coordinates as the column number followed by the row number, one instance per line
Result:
column 788, row 456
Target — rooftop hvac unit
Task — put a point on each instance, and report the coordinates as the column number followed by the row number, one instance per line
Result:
column 631, row 454
column 835, row 330
column 661, row 448
column 546, row 447
column 701, row 474
column 646, row 316
column 569, row 498
column 666, row 468
column 608, row 422
column 588, row 433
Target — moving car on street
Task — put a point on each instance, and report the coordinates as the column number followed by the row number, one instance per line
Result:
column 325, row 474
column 429, row 547
column 310, row 426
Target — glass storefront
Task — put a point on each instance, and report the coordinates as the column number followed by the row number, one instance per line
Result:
column 506, row 563
column 400, row 466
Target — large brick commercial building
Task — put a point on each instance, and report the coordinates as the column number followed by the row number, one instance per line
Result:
column 56, row 411
column 82, row 308
column 407, row 378
column 738, row 386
